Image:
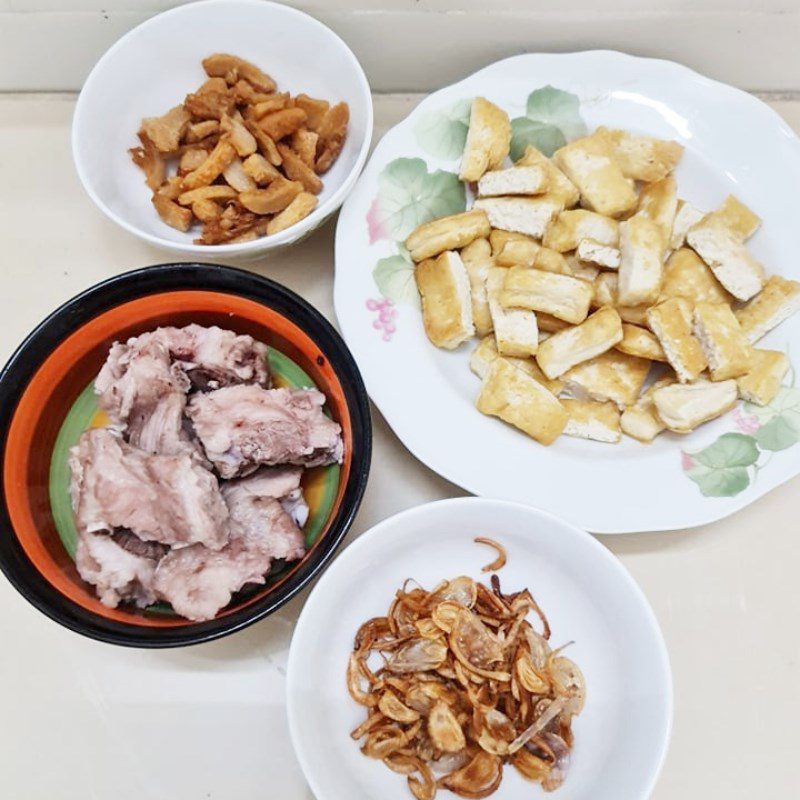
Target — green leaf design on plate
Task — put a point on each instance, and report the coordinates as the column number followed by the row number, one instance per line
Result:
column 394, row 277
column 720, row 470
column 545, row 138
column 778, row 434
column 720, row 482
column 552, row 118
column 780, row 420
column 409, row 195
column 443, row 133
column 730, row 450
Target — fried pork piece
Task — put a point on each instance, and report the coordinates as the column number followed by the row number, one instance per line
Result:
column 167, row 499
column 119, row 566
column 244, row 427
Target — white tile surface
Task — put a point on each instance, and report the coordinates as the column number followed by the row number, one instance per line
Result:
column 84, row 720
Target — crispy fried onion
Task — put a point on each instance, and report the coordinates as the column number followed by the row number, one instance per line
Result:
column 500, row 561
column 456, row 682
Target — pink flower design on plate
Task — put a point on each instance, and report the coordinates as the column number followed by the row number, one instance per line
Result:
column 745, row 423
column 374, row 223
column 687, row 462
column 387, row 314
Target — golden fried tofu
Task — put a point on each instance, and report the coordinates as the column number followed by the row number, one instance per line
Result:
column 779, row 299
column 560, row 295
column 584, row 270
column 488, row 140
column 486, row 352
column 728, row 258
column 569, row 228
column 638, row 341
column 641, row 268
column 561, row 189
column 605, row 294
column 737, row 218
column 768, row 368
column 612, row 376
column 477, row 258
column 515, row 329
column 725, row 347
column 588, row 163
column 447, row 233
column 590, row 250
column 518, row 253
column 499, row 239
column 549, row 260
column 671, row 322
column 642, row 158
column 564, row 350
column 513, row 180
column 521, row 401
column 659, row 202
column 446, row 305
column 687, row 275
column 548, row 324
column 684, row 406
column 686, row 217
column 641, row 421
column 528, row 215
column 589, row 419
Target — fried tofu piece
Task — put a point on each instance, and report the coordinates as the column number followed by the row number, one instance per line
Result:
column 548, row 325
column 762, row 382
column 683, row 407
column 637, row 341
column 605, row 294
column 166, row 132
column 561, row 189
column 298, row 209
column 477, row 258
column 728, row 258
column 687, row 275
column 671, row 322
column 512, row 181
column 488, row 140
column 564, row 350
column 725, row 347
column 737, row 218
column 642, row 158
column 521, row 252
column 779, row 299
column 486, row 352
column 641, row 421
column 528, row 215
column 686, row 217
column 641, row 268
column 500, row 238
column 444, row 288
column 588, row 163
column 447, row 233
column 584, row 270
column 569, row 228
column 515, row 329
column 598, row 253
column 588, row 419
column 521, row 401
column 548, row 260
column 612, row 376
column 659, row 202
column 560, row 295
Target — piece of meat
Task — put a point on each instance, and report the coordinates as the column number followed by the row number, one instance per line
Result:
column 117, row 572
column 258, row 515
column 167, row 499
column 244, row 427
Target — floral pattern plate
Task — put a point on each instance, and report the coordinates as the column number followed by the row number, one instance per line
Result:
column 734, row 144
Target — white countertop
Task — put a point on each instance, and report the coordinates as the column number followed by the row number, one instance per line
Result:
column 80, row 719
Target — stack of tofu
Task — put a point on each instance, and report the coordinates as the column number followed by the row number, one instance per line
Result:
column 603, row 303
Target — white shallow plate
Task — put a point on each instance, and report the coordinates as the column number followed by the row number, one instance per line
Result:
column 734, row 144
column 622, row 734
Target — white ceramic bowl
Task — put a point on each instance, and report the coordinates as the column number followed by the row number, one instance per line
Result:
column 154, row 66
column 622, row 734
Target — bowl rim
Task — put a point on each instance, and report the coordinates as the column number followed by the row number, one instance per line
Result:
column 118, row 290
column 262, row 244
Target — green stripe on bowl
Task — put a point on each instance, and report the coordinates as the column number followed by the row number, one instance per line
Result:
column 80, row 417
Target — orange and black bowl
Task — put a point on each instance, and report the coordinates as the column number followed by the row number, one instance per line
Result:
column 47, row 401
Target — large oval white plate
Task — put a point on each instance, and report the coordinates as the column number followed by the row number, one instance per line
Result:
column 734, row 143
column 622, row 734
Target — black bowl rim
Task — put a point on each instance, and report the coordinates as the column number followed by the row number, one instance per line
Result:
column 123, row 288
